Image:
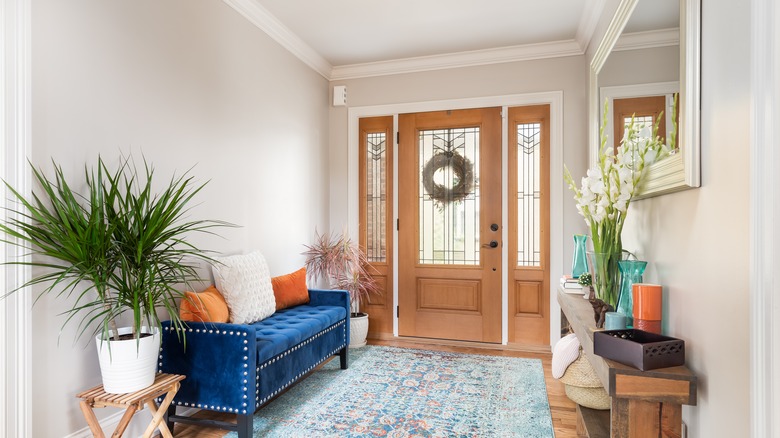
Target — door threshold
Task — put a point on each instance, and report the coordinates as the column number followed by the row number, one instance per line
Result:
column 424, row 343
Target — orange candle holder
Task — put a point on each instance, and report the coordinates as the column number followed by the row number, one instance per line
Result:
column 648, row 325
column 647, row 301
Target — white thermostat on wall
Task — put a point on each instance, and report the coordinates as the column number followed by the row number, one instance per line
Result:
column 339, row 95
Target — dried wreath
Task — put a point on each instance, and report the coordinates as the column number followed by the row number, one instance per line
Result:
column 463, row 180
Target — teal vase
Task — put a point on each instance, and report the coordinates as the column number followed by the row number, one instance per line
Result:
column 606, row 276
column 631, row 272
column 579, row 263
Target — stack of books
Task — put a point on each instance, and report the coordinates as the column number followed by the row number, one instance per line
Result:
column 568, row 282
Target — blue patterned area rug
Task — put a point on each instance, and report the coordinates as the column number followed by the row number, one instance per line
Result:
column 396, row 392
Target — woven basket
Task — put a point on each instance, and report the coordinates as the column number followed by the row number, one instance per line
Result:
column 594, row 398
column 583, row 387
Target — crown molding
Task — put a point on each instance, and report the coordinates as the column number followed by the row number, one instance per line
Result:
column 524, row 52
column 265, row 21
column 260, row 17
column 648, row 39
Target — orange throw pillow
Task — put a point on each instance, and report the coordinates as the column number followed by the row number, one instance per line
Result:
column 290, row 290
column 207, row 306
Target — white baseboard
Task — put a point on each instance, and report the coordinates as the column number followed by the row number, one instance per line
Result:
column 136, row 428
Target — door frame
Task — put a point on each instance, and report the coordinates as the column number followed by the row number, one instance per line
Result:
column 557, row 188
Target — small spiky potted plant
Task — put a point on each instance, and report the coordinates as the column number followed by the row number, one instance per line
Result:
column 118, row 251
column 341, row 262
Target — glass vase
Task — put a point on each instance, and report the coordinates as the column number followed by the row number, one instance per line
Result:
column 631, row 272
column 579, row 262
column 606, row 275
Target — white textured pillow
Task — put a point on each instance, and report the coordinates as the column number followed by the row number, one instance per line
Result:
column 566, row 351
column 245, row 282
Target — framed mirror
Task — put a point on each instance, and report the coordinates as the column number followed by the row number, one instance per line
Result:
column 652, row 49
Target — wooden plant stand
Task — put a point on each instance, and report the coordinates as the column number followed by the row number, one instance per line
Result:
column 132, row 403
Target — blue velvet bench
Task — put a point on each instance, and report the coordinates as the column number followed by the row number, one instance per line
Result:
column 238, row 368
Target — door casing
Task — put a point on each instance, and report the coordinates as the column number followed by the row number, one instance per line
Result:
column 349, row 213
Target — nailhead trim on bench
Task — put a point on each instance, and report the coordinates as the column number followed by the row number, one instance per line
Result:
column 265, row 364
column 259, row 402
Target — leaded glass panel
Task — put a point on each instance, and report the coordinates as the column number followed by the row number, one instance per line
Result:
column 376, row 196
column 528, row 194
column 639, row 120
column 449, row 196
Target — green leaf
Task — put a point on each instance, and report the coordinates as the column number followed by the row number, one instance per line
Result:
column 120, row 247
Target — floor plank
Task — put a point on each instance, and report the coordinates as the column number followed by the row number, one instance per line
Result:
column 562, row 409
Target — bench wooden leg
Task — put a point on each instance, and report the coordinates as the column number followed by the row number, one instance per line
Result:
column 344, row 358
column 244, row 426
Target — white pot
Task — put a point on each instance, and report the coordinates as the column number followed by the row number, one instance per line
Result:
column 358, row 330
column 129, row 365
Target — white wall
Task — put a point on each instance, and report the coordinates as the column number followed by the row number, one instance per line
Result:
column 186, row 83
column 696, row 241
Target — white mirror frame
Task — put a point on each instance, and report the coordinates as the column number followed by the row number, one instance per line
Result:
column 682, row 170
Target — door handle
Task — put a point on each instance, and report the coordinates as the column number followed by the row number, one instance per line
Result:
column 492, row 244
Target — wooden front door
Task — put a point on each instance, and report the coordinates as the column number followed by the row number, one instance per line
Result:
column 449, row 230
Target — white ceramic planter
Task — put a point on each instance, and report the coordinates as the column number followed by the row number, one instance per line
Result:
column 129, row 365
column 358, row 330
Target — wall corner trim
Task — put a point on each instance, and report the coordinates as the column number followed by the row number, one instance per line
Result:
column 15, row 315
column 764, row 206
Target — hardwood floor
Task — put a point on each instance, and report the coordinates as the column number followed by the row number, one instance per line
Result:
column 562, row 409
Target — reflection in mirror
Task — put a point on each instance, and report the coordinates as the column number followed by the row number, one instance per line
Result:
column 642, row 73
column 642, row 63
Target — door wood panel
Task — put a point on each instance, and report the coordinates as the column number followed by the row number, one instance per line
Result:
column 529, row 299
column 449, row 295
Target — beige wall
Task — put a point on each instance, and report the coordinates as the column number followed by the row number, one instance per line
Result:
column 697, row 241
column 186, row 83
column 641, row 66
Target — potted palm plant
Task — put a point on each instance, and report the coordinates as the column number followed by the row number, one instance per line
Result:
column 118, row 251
column 339, row 261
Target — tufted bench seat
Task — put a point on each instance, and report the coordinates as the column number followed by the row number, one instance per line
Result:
column 238, row 368
column 289, row 327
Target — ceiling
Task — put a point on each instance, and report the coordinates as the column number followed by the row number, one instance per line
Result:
column 348, row 32
column 357, row 38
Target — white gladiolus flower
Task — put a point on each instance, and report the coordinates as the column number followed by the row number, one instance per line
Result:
column 625, row 175
column 650, row 156
column 607, row 189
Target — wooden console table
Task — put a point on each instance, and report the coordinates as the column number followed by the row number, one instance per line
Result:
column 132, row 402
column 644, row 403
